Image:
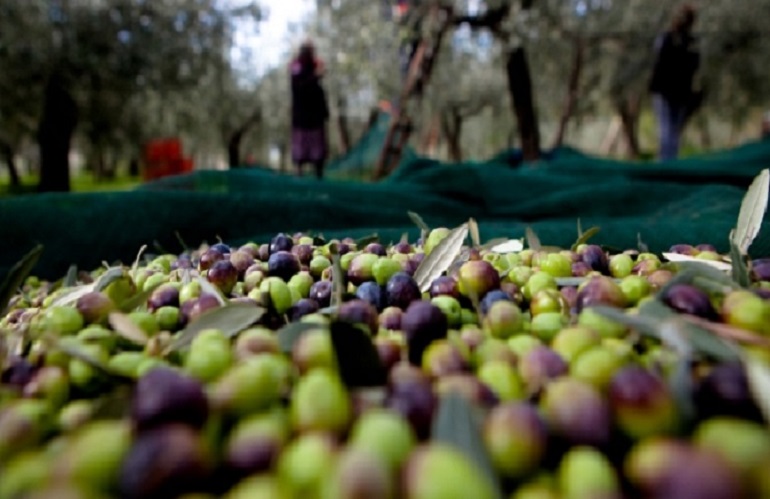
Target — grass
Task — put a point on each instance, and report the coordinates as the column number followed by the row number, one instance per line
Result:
column 82, row 182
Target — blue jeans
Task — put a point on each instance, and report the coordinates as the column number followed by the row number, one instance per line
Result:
column 671, row 118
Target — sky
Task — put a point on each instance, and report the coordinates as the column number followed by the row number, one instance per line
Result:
column 273, row 37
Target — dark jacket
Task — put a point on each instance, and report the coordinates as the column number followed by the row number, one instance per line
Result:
column 675, row 67
column 309, row 108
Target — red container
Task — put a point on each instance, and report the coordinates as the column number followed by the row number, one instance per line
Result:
column 163, row 157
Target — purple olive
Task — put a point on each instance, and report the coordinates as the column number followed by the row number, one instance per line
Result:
column 164, row 396
column 321, row 292
column 281, row 242
column 444, row 285
column 422, row 324
column 688, row 299
column 401, row 290
column 282, row 264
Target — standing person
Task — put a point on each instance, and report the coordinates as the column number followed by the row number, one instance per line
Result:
column 309, row 110
column 674, row 99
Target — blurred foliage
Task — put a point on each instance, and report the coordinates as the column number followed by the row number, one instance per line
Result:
column 140, row 69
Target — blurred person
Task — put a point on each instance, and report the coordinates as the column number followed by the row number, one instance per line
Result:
column 673, row 96
column 309, row 110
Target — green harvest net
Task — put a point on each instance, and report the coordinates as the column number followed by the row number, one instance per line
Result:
column 694, row 200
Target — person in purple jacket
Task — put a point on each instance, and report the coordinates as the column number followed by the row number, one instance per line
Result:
column 309, row 111
column 673, row 96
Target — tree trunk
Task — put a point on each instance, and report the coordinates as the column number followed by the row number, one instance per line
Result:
column 13, row 172
column 234, row 149
column 57, row 126
column 342, row 125
column 236, row 137
column 451, row 124
column 572, row 92
column 520, row 88
column 628, row 109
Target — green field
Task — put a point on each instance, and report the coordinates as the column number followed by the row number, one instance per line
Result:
column 83, row 182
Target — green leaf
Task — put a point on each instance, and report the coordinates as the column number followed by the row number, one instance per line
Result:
column 111, row 275
column 579, row 228
column 440, row 259
column 230, row 319
column 758, row 374
column 290, row 333
column 138, row 299
column 358, row 362
column 127, row 328
column 585, row 237
column 71, row 279
column 16, row 276
column 473, row 228
column 533, row 242
column 371, row 238
column 740, row 270
column 752, row 212
column 457, row 423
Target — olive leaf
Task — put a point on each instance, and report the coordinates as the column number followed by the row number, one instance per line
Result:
column 730, row 333
column 740, row 268
column 641, row 245
column 648, row 325
column 210, row 289
column 16, row 276
column 698, row 269
column 289, row 334
column 752, row 212
column 111, row 275
column 533, row 242
column 457, row 423
column 231, row 319
column 358, row 362
column 503, row 245
column 758, row 374
column 579, row 228
column 127, row 328
column 135, row 266
column 682, row 388
column 440, row 259
column 420, row 223
column 138, row 299
column 473, row 228
column 678, row 258
column 584, row 237
column 701, row 340
column 72, row 295
column 116, row 404
column 371, row 238
column 69, row 346
column 338, row 280
column 71, row 279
